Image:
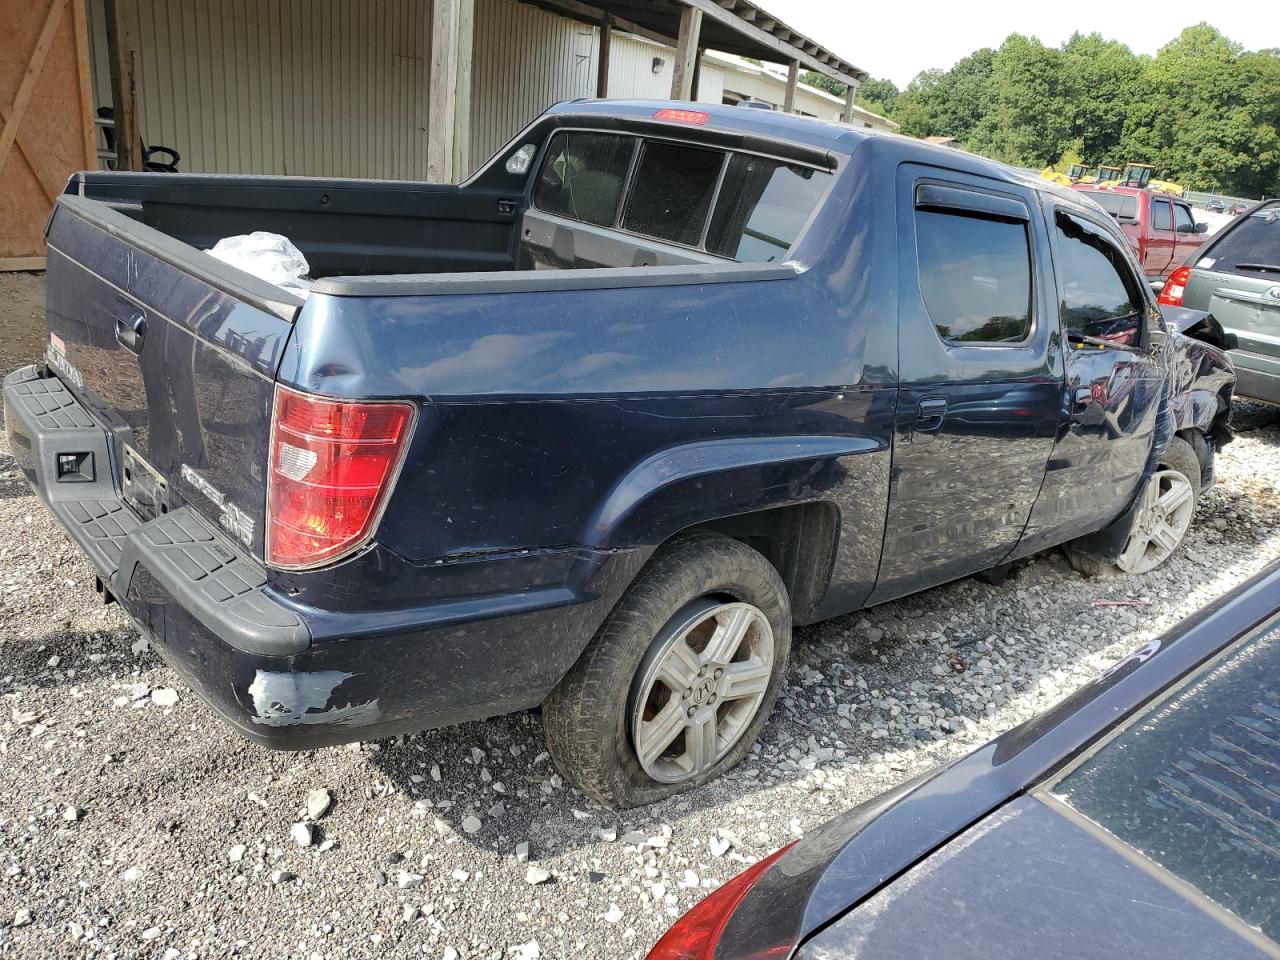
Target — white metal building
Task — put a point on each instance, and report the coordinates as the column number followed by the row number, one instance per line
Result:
column 348, row 87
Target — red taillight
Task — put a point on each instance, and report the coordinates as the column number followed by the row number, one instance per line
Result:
column 695, row 935
column 682, row 116
column 332, row 465
column 1173, row 289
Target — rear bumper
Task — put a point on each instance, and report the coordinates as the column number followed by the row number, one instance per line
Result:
column 285, row 675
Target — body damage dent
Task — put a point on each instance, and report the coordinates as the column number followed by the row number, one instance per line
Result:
column 1199, row 382
column 286, row 699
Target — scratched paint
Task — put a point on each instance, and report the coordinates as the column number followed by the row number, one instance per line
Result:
column 286, row 699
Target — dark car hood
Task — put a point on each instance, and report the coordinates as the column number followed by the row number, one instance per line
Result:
column 1031, row 876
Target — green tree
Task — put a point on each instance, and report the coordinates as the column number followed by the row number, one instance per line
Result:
column 878, row 96
column 1102, row 79
column 948, row 103
column 1029, row 123
column 821, row 81
column 1208, row 115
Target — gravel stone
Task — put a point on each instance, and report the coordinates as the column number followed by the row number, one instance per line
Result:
column 537, row 875
column 409, row 881
column 302, row 834
column 182, row 792
column 165, row 697
column 318, row 803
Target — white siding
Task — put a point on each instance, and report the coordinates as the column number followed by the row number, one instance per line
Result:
column 310, row 87
column 631, row 74
column 525, row 60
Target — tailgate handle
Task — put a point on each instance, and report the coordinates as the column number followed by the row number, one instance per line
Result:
column 130, row 331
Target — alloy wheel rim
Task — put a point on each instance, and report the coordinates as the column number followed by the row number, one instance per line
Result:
column 700, row 688
column 1168, row 503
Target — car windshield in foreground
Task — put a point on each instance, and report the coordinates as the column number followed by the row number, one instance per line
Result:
column 1194, row 782
column 1250, row 247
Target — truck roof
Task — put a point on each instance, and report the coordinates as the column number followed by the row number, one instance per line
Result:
column 838, row 138
column 828, row 135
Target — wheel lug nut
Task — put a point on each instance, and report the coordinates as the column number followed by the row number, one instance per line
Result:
column 702, row 672
column 691, row 711
column 687, row 694
column 712, row 699
column 719, row 673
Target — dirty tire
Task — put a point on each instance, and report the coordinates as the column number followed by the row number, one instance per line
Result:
column 1179, row 456
column 587, row 720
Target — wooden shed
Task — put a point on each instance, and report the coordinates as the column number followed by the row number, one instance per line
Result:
column 46, row 125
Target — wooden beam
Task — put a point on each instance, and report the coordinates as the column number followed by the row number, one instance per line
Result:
column 449, row 110
column 22, row 263
column 585, row 13
column 740, row 23
column 124, row 88
column 84, row 84
column 602, row 64
column 849, row 96
column 35, row 63
column 793, row 77
column 686, row 53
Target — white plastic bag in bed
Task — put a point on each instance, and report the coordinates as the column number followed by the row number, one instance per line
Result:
column 269, row 256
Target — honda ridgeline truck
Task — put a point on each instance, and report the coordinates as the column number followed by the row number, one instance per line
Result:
column 596, row 428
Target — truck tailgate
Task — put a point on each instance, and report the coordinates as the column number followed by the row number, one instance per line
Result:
column 175, row 353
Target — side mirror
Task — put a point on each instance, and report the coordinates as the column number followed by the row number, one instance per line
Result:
column 1156, row 286
column 1202, row 227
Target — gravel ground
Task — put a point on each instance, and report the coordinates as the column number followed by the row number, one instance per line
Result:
column 134, row 824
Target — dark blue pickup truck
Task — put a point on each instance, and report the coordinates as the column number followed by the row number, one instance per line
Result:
column 595, row 428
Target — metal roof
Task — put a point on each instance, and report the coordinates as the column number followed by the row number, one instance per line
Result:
column 733, row 26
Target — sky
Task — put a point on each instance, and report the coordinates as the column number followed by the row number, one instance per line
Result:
column 899, row 39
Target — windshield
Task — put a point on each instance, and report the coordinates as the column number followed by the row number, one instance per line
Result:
column 1250, row 246
column 1194, row 783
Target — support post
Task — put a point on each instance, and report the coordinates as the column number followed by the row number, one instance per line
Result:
column 697, row 74
column 124, row 89
column 602, row 65
column 686, row 54
column 849, row 95
column 793, row 78
column 449, row 111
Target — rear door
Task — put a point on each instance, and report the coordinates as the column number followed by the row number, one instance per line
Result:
column 176, row 353
column 980, row 394
column 1162, row 240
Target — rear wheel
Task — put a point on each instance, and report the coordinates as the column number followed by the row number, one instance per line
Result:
column 681, row 678
column 1164, row 516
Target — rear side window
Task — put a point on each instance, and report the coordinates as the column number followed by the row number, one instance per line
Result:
column 583, row 176
column 1099, row 299
column 763, row 204
column 1161, row 215
column 1251, row 246
column 975, row 276
column 1122, row 206
column 672, row 192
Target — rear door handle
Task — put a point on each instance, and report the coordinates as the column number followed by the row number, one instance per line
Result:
column 130, row 330
column 930, row 413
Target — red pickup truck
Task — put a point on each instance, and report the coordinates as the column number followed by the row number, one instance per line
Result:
column 1161, row 228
